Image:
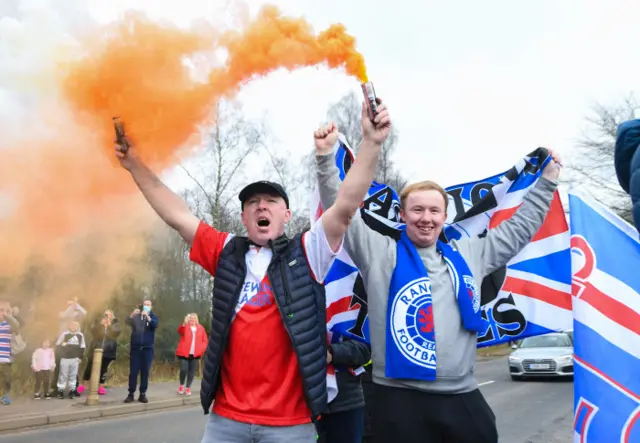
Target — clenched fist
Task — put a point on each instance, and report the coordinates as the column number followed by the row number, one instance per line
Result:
column 128, row 156
column 378, row 130
column 552, row 170
column 325, row 138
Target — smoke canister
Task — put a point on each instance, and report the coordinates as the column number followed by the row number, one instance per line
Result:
column 371, row 101
column 120, row 135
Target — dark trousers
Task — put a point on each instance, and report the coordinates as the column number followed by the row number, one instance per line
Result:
column 43, row 378
column 5, row 375
column 187, row 369
column 411, row 416
column 139, row 363
column 342, row 427
column 103, row 369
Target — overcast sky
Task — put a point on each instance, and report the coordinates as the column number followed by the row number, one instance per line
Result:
column 472, row 86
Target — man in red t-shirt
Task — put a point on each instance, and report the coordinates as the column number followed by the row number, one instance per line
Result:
column 261, row 395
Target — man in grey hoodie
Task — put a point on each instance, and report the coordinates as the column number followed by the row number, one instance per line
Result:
column 449, row 407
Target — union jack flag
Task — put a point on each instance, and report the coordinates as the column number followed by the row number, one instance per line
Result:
column 531, row 295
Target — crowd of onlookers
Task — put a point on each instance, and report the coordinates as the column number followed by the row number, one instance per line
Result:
column 56, row 364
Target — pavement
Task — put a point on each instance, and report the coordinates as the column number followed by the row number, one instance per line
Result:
column 27, row 412
column 527, row 412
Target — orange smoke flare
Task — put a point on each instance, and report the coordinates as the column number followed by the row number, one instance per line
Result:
column 138, row 74
column 65, row 185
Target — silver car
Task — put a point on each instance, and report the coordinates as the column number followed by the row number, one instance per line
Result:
column 549, row 355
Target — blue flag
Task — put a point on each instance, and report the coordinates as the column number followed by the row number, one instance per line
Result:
column 606, row 307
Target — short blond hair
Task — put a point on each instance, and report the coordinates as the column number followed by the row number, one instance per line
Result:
column 426, row 185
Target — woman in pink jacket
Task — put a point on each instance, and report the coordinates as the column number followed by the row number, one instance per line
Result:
column 192, row 345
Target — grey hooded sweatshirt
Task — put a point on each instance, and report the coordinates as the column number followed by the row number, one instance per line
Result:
column 375, row 256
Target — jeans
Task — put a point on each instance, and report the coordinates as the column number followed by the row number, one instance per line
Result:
column 187, row 370
column 223, row 430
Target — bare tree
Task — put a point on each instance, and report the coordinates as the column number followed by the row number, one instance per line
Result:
column 592, row 168
column 216, row 173
column 232, row 141
column 285, row 169
column 346, row 113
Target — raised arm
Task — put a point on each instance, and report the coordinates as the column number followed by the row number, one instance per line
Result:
column 506, row 240
column 114, row 330
column 168, row 205
column 13, row 323
column 336, row 219
column 361, row 242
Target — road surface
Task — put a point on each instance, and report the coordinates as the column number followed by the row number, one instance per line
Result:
column 528, row 412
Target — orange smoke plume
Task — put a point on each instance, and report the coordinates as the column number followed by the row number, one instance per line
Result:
column 138, row 74
column 65, row 187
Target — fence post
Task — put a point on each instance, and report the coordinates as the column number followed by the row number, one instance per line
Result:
column 93, row 398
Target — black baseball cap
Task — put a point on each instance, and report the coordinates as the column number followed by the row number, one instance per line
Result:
column 263, row 187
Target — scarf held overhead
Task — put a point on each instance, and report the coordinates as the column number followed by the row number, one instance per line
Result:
column 411, row 343
column 530, row 296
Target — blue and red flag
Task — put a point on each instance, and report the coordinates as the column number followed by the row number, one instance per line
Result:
column 606, row 309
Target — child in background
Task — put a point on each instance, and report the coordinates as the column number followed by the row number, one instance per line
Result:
column 43, row 362
column 71, row 344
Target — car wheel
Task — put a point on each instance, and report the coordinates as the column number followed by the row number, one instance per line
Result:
column 516, row 378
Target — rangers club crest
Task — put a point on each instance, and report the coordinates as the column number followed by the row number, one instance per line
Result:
column 412, row 323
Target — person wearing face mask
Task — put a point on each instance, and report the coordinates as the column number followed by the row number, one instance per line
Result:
column 143, row 324
column 266, row 361
column 417, row 311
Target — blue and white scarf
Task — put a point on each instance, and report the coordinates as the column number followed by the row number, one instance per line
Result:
column 411, row 341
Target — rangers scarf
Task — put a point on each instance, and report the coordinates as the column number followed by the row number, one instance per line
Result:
column 531, row 295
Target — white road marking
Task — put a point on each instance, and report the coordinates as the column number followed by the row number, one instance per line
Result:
column 486, row 383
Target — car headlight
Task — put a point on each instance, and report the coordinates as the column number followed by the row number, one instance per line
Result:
column 515, row 359
column 565, row 359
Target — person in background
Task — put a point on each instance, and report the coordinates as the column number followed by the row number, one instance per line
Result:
column 73, row 312
column 344, row 420
column 104, row 335
column 143, row 324
column 71, row 345
column 8, row 327
column 43, row 361
column 193, row 342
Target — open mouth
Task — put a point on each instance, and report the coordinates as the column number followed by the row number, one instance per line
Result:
column 263, row 222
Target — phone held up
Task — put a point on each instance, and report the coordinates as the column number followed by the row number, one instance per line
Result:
column 371, row 101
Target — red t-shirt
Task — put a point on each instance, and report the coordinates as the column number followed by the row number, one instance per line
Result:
column 260, row 377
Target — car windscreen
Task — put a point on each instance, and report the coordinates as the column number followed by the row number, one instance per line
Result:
column 546, row 341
